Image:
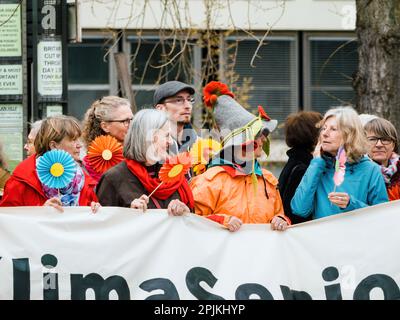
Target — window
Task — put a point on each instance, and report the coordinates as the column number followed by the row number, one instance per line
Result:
column 88, row 75
column 151, row 64
column 273, row 78
column 332, row 61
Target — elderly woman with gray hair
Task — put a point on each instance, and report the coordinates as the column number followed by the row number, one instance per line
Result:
column 145, row 148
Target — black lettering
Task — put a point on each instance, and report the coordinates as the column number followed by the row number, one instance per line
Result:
column 193, row 279
column 22, row 279
column 289, row 294
column 387, row 284
column 50, row 279
column 244, row 291
column 170, row 292
column 332, row 292
column 101, row 287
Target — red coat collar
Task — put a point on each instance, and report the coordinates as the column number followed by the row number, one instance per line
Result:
column 26, row 173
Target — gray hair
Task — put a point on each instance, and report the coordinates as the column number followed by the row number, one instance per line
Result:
column 3, row 162
column 365, row 118
column 144, row 123
column 35, row 127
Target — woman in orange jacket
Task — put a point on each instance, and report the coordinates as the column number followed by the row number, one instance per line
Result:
column 235, row 189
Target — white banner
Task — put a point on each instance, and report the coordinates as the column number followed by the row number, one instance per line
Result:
column 121, row 254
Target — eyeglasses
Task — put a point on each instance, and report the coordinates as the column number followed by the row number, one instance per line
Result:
column 125, row 122
column 374, row 140
column 180, row 100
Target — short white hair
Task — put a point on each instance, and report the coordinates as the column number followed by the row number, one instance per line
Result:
column 137, row 141
column 365, row 118
column 35, row 127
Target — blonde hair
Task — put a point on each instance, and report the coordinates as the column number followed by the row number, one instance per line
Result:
column 100, row 110
column 55, row 129
column 350, row 126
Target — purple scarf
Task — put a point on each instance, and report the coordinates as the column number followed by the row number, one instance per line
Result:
column 69, row 195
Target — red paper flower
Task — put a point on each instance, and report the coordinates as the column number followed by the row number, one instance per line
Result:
column 175, row 168
column 213, row 90
column 104, row 152
column 263, row 114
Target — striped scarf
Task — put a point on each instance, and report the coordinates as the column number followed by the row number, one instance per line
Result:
column 389, row 171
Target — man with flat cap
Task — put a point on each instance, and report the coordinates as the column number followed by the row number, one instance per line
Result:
column 176, row 98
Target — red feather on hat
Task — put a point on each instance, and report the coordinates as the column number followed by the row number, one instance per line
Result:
column 263, row 114
column 213, row 90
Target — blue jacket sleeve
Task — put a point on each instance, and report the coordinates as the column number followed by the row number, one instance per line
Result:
column 302, row 203
column 376, row 192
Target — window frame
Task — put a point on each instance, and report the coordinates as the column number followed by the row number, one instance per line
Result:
column 196, row 64
column 112, row 86
column 294, row 76
column 322, row 36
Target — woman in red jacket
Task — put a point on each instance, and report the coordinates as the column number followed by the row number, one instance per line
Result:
column 24, row 187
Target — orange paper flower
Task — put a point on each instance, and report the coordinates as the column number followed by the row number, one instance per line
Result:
column 104, row 152
column 201, row 152
column 175, row 168
column 213, row 90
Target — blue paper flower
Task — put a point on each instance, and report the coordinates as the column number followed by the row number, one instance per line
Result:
column 56, row 169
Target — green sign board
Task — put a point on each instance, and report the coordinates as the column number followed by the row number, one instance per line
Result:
column 11, row 117
column 11, row 130
column 50, row 68
column 13, row 145
column 10, row 30
column 54, row 110
column 10, row 79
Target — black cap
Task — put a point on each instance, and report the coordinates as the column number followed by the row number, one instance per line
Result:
column 169, row 89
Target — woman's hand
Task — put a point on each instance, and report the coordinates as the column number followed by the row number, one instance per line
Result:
column 277, row 223
column 140, row 203
column 341, row 199
column 317, row 150
column 55, row 203
column 95, row 206
column 234, row 224
column 177, row 208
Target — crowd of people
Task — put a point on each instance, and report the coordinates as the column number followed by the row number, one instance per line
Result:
column 337, row 162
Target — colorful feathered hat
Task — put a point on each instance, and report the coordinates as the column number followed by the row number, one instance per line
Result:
column 237, row 125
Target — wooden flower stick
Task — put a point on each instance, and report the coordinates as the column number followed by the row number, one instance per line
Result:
column 155, row 189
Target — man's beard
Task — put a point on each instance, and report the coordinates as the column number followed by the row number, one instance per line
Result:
column 183, row 122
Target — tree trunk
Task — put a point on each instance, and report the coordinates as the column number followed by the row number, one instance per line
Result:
column 377, row 82
column 124, row 77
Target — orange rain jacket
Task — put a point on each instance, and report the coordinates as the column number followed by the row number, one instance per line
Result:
column 393, row 191
column 220, row 193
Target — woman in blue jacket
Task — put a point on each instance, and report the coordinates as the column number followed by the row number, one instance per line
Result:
column 363, row 184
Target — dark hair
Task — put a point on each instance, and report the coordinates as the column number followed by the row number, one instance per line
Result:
column 301, row 129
